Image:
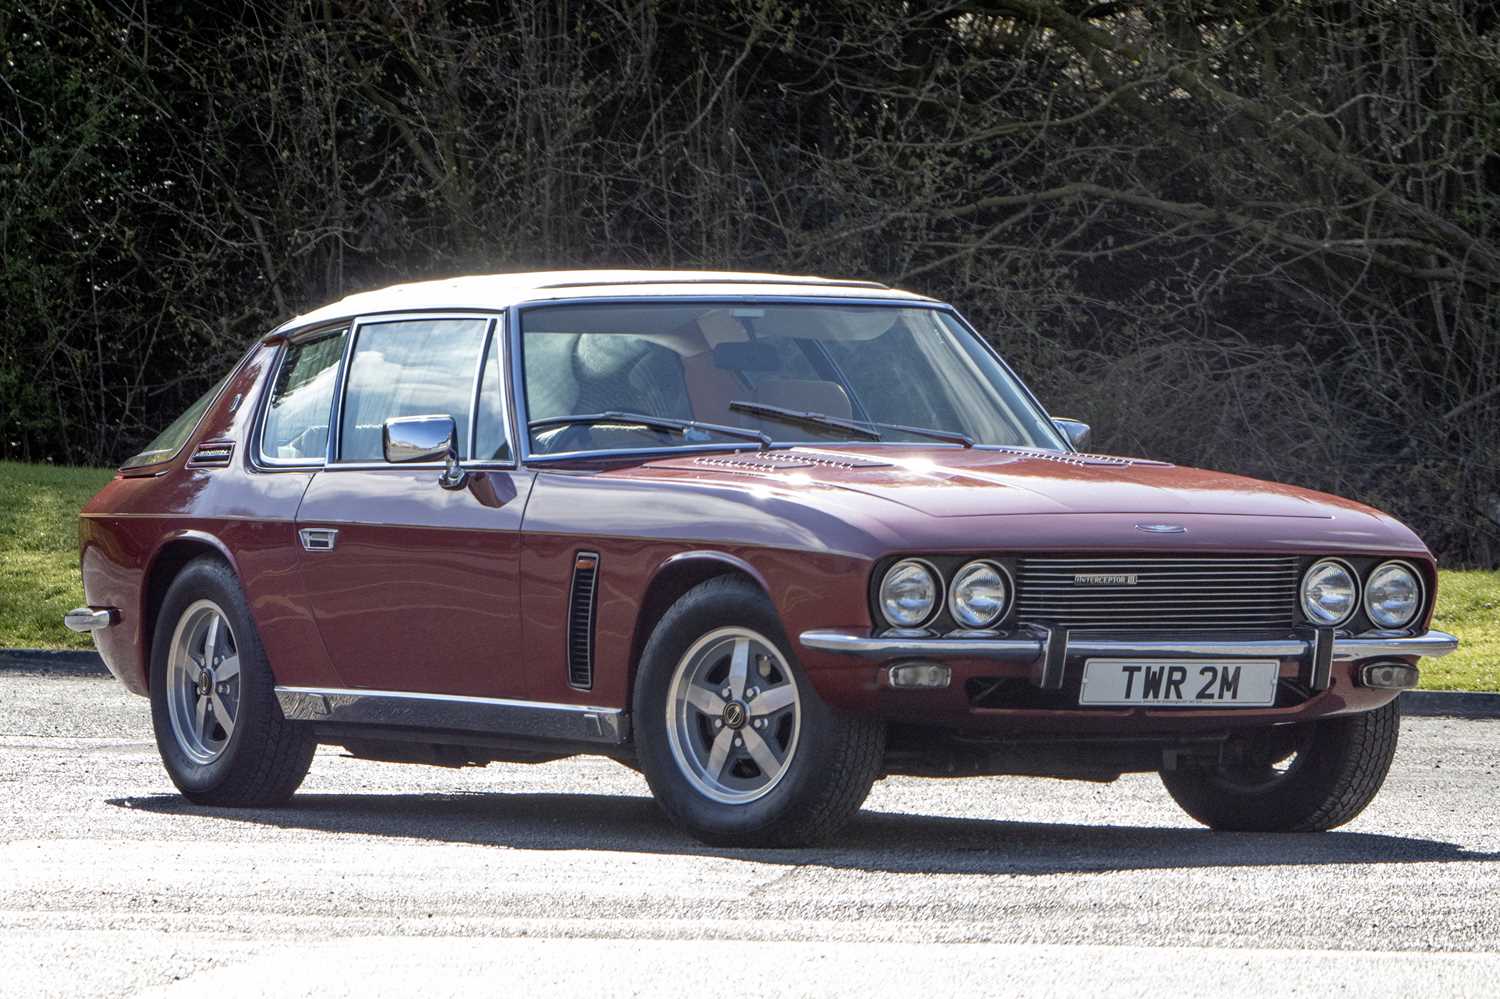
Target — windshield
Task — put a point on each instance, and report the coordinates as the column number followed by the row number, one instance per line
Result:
column 809, row 374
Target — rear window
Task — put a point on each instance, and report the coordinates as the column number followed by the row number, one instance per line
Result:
column 165, row 445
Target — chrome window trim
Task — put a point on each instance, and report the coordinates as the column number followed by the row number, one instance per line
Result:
column 518, row 374
column 1364, row 591
column 356, row 326
column 259, row 460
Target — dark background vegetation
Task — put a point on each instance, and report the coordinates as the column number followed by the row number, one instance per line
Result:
column 1253, row 236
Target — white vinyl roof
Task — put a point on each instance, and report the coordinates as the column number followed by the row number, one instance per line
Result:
column 500, row 291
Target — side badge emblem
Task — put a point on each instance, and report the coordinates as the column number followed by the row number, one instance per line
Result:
column 1161, row 528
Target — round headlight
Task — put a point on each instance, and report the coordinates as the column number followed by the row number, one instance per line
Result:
column 1329, row 593
column 1393, row 595
column 978, row 594
column 909, row 594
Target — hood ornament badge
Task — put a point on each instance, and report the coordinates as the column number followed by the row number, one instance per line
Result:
column 1161, row 528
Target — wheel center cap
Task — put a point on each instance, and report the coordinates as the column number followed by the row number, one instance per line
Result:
column 735, row 714
column 205, row 682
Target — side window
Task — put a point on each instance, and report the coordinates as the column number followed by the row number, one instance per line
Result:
column 296, row 427
column 414, row 367
column 489, row 424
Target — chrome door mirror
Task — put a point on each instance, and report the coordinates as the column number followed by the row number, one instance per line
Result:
column 408, row 439
column 1076, row 431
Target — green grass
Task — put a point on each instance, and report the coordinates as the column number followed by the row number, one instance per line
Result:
column 39, row 579
column 1469, row 607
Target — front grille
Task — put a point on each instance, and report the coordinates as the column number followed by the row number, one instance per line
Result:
column 1208, row 591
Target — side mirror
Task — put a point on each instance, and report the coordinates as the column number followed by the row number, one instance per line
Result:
column 407, row 439
column 1076, row 431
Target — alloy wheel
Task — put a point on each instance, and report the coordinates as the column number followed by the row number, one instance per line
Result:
column 203, row 682
column 733, row 715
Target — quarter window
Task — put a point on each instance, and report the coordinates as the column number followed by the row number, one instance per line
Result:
column 417, row 367
column 296, row 428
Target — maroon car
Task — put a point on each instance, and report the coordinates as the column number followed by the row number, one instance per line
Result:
column 765, row 538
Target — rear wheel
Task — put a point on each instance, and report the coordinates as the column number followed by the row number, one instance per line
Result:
column 221, row 734
column 737, row 746
column 1299, row 778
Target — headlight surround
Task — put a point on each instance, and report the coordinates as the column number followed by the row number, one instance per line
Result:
column 979, row 594
column 1393, row 595
column 910, row 594
column 1330, row 593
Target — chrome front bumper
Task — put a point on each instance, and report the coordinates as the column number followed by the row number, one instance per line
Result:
column 1048, row 649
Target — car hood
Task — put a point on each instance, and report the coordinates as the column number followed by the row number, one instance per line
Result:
column 935, row 493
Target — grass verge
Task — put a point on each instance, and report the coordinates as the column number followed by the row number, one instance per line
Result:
column 39, row 579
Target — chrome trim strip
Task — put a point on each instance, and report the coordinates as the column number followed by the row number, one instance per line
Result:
column 453, row 712
column 1030, row 648
column 1431, row 644
column 1023, row 648
column 87, row 619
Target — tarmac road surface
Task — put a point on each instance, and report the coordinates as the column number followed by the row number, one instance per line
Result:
column 562, row 878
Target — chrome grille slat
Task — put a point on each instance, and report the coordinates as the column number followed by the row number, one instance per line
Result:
column 1192, row 592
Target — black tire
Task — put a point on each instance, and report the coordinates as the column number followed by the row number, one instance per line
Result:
column 265, row 757
column 1340, row 765
column 837, row 756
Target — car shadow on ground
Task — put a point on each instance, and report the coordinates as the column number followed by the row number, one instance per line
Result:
column 873, row 841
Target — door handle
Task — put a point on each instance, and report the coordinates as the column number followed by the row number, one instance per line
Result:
column 318, row 539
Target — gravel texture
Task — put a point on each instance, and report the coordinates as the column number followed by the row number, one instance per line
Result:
column 383, row 879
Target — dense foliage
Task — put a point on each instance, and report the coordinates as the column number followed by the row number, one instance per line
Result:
column 1250, row 235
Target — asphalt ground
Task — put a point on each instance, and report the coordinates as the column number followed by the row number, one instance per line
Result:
column 562, row 879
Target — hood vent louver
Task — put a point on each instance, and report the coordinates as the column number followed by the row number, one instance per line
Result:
column 212, row 454
column 1078, row 458
column 779, row 461
column 581, row 600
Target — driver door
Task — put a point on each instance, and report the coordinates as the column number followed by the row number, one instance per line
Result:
column 414, row 587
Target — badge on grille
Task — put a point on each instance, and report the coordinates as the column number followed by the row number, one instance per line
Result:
column 1104, row 579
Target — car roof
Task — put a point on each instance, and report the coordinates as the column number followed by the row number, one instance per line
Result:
column 500, row 291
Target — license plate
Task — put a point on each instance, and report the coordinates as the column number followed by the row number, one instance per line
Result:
column 1180, row 683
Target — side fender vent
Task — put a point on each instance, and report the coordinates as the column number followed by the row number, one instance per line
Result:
column 212, row 454
column 581, row 620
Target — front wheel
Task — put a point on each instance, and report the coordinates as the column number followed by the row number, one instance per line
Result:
column 736, row 744
column 1297, row 778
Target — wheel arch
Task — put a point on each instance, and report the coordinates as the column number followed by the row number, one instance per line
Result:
column 171, row 556
column 674, row 577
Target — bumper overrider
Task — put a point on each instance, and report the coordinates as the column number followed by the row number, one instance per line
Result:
column 1044, row 652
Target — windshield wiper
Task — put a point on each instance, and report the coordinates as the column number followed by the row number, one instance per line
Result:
column 655, row 423
column 861, row 427
column 806, row 419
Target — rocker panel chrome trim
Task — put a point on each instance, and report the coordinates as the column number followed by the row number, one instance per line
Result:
column 485, row 715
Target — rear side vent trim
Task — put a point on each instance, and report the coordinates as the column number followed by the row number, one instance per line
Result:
column 581, row 601
column 212, row 454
